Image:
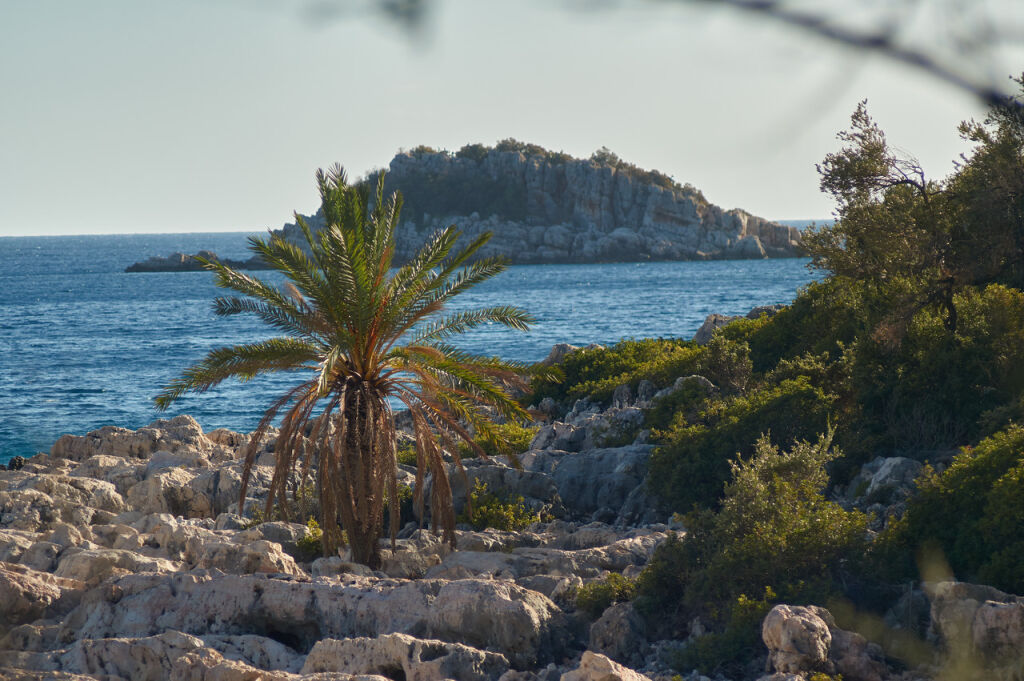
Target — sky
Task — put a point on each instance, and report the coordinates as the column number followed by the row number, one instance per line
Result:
column 128, row 116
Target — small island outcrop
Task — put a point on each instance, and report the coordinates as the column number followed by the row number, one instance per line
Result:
column 182, row 262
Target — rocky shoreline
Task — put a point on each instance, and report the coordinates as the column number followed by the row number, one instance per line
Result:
column 123, row 556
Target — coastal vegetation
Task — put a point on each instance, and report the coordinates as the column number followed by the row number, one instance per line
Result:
column 912, row 346
column 363, row 334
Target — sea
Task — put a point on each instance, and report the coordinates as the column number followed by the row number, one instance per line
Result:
column 83, row 344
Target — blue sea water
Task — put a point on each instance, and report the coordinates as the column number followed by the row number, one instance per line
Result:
column 84, row 344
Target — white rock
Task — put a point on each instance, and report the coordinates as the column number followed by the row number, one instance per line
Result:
column 419, row 660
column 597, row 667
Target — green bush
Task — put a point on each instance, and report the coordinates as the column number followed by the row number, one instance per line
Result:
column 971, row 514
column 310, row 545
column 596, row 597
column 775, row 534
column 727, row 651
column 693, row 462
column 596, row 372
column 506, row 439
column 823, row 318
column 500, row 513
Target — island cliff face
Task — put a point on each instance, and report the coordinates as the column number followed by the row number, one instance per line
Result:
column 544, row 207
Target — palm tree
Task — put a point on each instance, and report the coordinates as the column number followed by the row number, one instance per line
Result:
column 365, row 335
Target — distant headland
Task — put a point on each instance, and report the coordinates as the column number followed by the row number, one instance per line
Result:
column 548, row 207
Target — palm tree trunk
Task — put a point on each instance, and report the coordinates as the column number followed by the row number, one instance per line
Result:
column 353, row 481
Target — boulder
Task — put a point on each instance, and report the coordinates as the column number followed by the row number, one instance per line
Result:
column 979, row 621
column 236, row 558
column 803, row 640
column 413, row 658
column 596, row 667
column 181, row 433
column 619, row 634
column 711, row 322
column 95, row 565
column 797, row 638
column 170, row 492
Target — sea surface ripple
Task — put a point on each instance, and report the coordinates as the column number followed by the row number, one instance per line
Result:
column 84, row 344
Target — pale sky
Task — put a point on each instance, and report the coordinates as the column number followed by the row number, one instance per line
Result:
column 212, row 115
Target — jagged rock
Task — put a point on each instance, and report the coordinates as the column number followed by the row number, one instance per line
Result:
column 13, row 545
column 596, row 667
column 170, row 492
column 806, row 639
column 423, row 660
column 333, row 566
column 26, row 594
column 558, row 353
column 530, row 561
column 978, row 620
column 41, row 556
column 882, row 487
column 238, row 558
column 259, row 651
column 798, row 639
column 619, row 634
column 598, row 482
column 181, row 433
column 139, row 659
column 95, row 565
column 522, row 625
column 711, row 322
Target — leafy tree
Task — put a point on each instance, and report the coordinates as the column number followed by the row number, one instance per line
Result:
column 363, row 334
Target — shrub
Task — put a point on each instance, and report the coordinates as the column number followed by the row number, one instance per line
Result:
column 775, row 534
column 596, row 597
column 311, row 545
column 727, row 651
column 693, row 463
column 726, row 364
column 500, row 513
column 507, row 439
column 596, row 372
column 971, row 513
column 823, row 318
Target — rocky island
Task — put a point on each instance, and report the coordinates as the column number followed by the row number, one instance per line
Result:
column 547, row 207
column 181, row 262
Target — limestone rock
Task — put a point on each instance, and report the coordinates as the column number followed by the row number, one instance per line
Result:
column 798, row 639
column 95, row 565
column 597, row 667
column 26, row 594
column 170, row 492
column 236, row 558
column 140, row 659
column 417, row 659
column 619, row 634
column 712, row 322
column 979, row 620
column 171, row 435
column 802, row 640
column 522, row 625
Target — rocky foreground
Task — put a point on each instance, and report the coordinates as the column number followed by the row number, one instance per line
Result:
column 123, row 557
